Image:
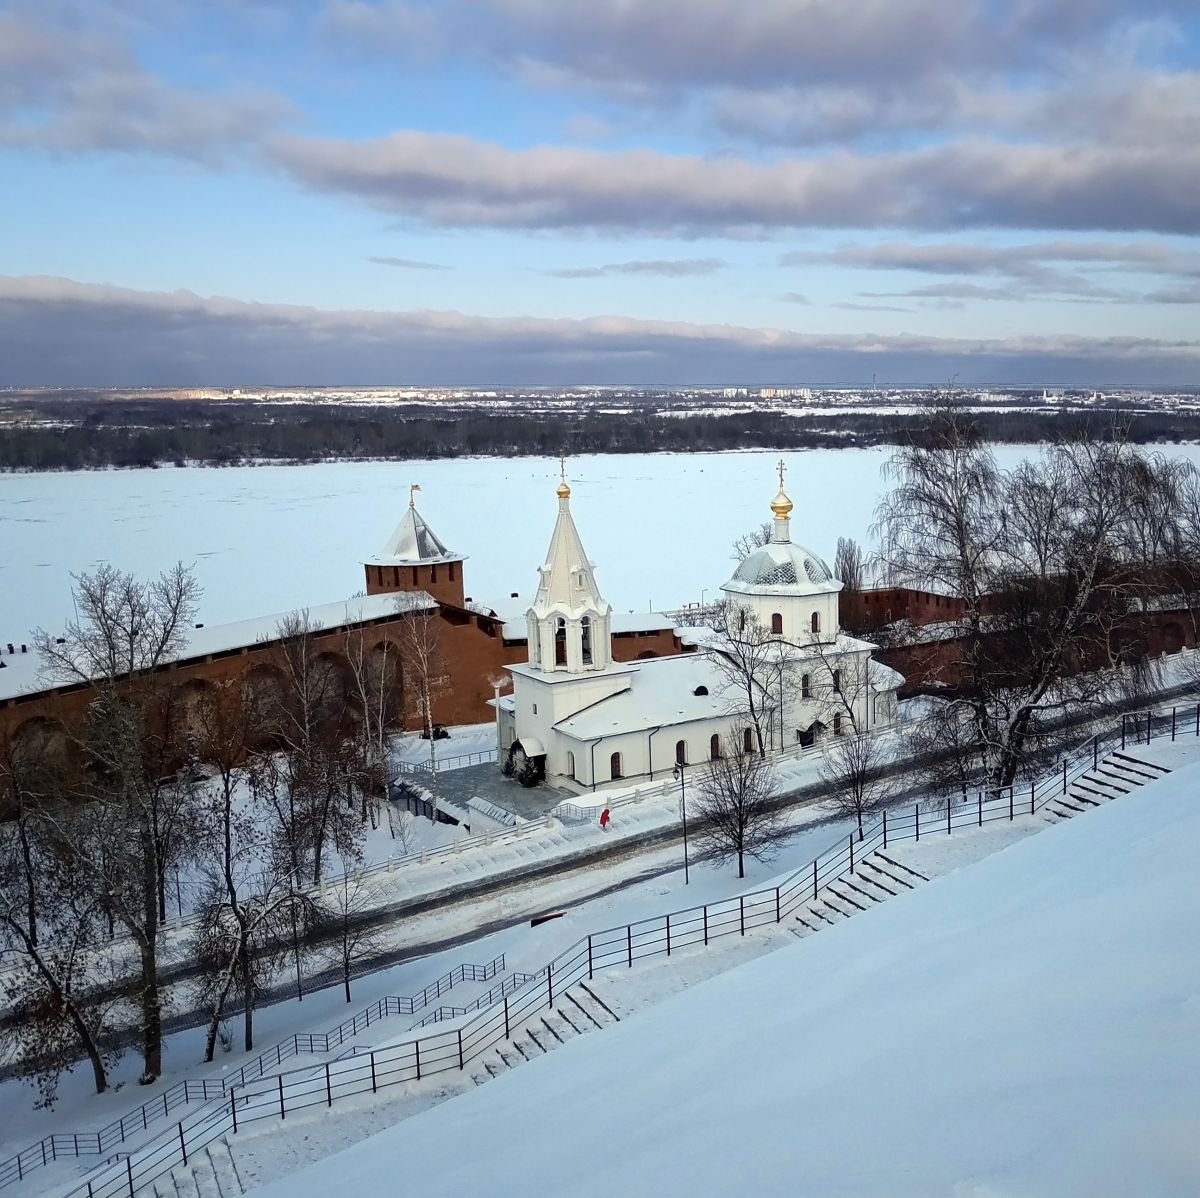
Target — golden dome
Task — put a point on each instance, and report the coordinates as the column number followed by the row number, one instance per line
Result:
column 781, row 505
column 563, row 491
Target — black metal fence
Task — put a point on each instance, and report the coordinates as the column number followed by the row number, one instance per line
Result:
column 275, row 1097
column 183, row 1093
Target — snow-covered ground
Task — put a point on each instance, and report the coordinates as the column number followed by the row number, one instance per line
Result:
column 1025, row 1026
column 273, row 538
column 995, row 965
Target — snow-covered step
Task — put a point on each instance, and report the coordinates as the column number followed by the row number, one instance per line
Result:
column 577, row 1012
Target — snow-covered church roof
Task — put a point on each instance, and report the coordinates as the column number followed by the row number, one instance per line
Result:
column 782, row 566
column 414, row 543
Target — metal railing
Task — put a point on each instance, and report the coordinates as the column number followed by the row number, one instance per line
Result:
column 182, row 1093
column 454, row 1049
column 440, row 764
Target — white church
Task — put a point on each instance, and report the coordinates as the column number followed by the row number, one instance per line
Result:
column 780, row 672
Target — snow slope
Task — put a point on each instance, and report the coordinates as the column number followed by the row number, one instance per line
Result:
column 1029, row 1025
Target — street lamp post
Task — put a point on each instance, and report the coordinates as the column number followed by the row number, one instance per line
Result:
column 678, row 772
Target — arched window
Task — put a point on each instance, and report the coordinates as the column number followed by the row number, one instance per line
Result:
column 805, row 687
column 614, row 766
column 570, row 764
column 560, row 642
column 816, row 621
column 433, row 573
column 741, row 619
column 837, row 723
column 837, row 682
column 748, row 740
column 776, row 624
column 714, row 747
column 585, row 628
column 681, row 752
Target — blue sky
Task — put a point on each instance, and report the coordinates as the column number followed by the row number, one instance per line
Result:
column 467, row 191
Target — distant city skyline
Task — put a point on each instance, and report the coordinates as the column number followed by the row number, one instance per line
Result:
column 672, row 192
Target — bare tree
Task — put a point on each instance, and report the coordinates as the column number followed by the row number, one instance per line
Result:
column 52, row 933
column 751, row 664
column 351, row 937
column 422, row 662
column 137, row 784
column 751, row 540
column 374, row 685
column 735, row 817
column 849, row 565
column 850, row 768
column 1052, row 566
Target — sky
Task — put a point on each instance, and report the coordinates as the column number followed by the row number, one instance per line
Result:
column 474, row 192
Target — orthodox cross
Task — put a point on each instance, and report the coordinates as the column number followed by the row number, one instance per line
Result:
column 562, row 466
column 413, row 488
column 782, row 468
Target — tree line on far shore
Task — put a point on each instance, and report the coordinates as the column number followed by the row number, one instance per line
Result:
column 80, row 435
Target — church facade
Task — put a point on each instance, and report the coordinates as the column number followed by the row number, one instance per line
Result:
column 778, row 671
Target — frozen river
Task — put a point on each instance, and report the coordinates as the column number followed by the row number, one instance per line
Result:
column 271, row 538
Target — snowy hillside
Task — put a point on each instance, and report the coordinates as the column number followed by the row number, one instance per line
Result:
column 1028, row 1025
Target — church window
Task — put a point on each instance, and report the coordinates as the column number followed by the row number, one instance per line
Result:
column 614, row 766
column 585, row 627
column 700, row 690
column 714, row 747
column 433, row 573
column 681, row 752
column 837, row 723
column 570, row 764
column 776, row 624
column 748, row 740
column 816, row 621
column 837, row 681
column 805, row 687
column 452, row 568
column 416, row 578
column 535, row 709
column 742, row 620
column 560, row 642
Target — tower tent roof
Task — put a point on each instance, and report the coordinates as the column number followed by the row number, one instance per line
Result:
column 567, row 580
column 414, row 543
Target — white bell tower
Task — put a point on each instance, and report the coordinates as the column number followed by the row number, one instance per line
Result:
column 570, row 623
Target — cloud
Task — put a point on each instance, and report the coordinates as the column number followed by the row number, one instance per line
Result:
column 796, row 297
column 72, row 89
column 1174, row 295
column 60, row 332
column 852, row 307
column 667, row 268
column 404, row 263
column 459, row 181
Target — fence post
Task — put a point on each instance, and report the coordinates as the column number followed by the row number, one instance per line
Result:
column 850, row 840
column 705, row 925
column 814, row 878
column 885, row 828
column 949, row 806
column 629, row 942
column 373, row 1086
column 742, row 912
column 1064, row 775
column 417, row 1046
column 282, row 1107
column 1172, row 723
column 1010, row 804
column 1123, row 725
column 917, row 819
column 182, row 1145
column 668, row 935
column 589, row 957
column 550, row 985
column 328, row 1088
column 1095, row 752
column 129, row 1173
column 981, row 808
column 1032, row 800
column 506, row 1035
column 1149, row 725
column 778, row 916
column 233, row 1106
column 460, row 1050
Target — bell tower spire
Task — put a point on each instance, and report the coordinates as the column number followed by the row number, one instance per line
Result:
column 570, row 622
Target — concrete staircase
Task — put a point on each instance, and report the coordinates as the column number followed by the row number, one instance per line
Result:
column 1118, row 774
column 209, row 1173
column 876, row 879
column 576, row 1012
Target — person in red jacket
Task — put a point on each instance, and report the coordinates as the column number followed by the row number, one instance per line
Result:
column 605, row 816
